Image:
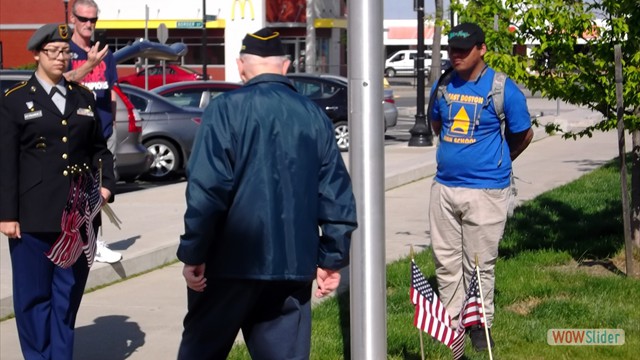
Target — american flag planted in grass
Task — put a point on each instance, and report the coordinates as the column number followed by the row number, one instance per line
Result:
column 430, row 315
column 470, row 314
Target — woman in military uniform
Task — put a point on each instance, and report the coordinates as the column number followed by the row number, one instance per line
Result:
column 55, row 174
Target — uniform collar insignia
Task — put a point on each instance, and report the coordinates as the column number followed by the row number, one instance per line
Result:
column 33, row 89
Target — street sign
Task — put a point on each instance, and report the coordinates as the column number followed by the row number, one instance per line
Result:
column 189, row 24
column 163, row 33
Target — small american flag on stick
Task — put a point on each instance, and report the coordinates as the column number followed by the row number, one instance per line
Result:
column 430, row 316
column 470, row 314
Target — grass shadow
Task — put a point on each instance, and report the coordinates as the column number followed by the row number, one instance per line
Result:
column 344, row 301
column 582, row 219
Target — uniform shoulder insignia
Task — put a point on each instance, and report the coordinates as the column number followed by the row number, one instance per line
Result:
column 81, row 86
column 15, row 87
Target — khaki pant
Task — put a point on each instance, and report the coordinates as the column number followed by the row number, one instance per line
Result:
column 464, row 223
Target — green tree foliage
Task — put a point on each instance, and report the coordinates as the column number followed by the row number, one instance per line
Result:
column 572, row 56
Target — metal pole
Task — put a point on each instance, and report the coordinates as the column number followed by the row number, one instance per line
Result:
column 421, row 134
column 452, row 17
column 204, row 41
column 146, row 37
column 310, row 46
column 66, row 11
column 366, row 160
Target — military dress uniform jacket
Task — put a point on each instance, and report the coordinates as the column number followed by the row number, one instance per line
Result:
column 264, row 177
column 39, row 145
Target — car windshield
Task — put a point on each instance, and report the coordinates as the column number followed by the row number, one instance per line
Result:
column 191, row 97
column 157, row 70
column 188, row 70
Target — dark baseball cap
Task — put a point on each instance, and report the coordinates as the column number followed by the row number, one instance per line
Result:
column 465, row 36
column 263, row 42
column 48, row 33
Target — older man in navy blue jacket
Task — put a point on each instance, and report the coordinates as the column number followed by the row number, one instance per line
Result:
column 269, row 209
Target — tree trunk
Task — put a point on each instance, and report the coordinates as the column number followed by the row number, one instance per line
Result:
column 635, row 188
column 434, row 74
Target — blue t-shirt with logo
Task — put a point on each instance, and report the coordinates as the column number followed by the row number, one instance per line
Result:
column 472, row 152
column 100, row 80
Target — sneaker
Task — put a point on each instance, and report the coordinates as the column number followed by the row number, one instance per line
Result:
column 479, row 339
column 106, row 255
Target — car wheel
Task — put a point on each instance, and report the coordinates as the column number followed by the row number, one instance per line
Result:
column 341, row 131
column 166, row 159
column 390, row 72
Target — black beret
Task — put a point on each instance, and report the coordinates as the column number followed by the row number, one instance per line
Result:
column 48, row 33
column 465, row 36
column 263, row 42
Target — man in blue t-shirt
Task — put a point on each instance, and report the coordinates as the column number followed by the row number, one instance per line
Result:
column 95, row 68
column 470, row 192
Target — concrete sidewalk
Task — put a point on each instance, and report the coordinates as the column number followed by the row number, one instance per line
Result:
column 141, row 318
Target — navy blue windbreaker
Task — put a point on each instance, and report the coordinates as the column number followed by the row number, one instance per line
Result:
column 268, row 195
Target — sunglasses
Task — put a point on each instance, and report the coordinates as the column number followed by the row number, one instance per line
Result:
column 86, row 19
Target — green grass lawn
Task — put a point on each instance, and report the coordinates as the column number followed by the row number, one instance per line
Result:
column 559, row 268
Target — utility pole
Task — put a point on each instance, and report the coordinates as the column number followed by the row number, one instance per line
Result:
column 146, row 38
column 310, row 40
column 66, row 11
column 204, row 41
column 366, row 162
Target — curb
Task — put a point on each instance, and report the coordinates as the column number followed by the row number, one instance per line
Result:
column 106, row 274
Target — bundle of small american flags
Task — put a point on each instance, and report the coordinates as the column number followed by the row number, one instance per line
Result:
column 78, row 234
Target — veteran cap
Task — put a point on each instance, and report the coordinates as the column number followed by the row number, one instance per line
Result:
column 263, row 42
column 465, row 36
column 48, row 33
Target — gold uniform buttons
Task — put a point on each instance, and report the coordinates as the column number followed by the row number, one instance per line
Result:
column 65, row 173
column 64, row 139
column 64, row 156
column 64, row 122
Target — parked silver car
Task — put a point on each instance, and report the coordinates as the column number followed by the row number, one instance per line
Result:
column 194, row 93
column 132, row 159
column 168, row 131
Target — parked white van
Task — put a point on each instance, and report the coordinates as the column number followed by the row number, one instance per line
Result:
column 403, row 62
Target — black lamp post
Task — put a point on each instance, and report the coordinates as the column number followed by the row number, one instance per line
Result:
column 66, row 11
column 421, row 134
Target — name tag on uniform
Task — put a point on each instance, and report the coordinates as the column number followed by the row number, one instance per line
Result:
column 85, row 112
column 33, row 115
